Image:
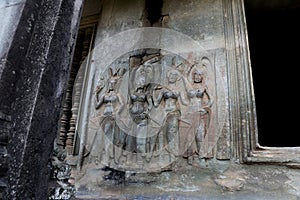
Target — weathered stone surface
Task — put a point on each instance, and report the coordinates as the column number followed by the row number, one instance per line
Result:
column 32, row 85
column 5, row 125
column 111, row 80
column 10, row 15
column 216, row 180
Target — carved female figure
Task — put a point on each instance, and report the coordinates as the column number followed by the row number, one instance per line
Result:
column 171, row 95
column 112, row 104
column 140, row 104
column 200, row 102
column 140, row 98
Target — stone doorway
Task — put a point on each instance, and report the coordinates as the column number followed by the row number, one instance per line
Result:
column 272, row 35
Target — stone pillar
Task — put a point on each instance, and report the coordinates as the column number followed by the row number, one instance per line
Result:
column 31, row 89
column 10, row 16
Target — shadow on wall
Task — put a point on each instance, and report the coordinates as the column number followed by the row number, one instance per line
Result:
column 273, row 36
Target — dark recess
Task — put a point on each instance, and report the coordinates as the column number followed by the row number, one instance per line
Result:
column 274, row 41
column 153, row 9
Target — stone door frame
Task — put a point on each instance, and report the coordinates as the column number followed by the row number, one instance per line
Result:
column 244, row 132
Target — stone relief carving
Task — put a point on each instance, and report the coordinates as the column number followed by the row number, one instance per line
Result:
column 148, row 113
column 199, row 109
column 110, row 102
column 170, row 95
column 140, row 106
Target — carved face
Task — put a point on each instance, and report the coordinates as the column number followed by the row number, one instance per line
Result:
column 143, row 76
column 197, row 77
column 140, row 77
column 112, row 83
column 172, row 76
column 149, row 73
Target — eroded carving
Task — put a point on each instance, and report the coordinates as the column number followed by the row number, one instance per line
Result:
column 110, row 103
column 149, row 113
column 170, row 95
column 199, row 109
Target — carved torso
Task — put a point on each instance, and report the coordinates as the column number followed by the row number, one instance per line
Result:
column 170, row 100
column 195, row 95
column 138, row 103
column 109, row 99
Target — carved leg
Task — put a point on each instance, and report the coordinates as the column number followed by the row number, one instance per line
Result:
column 200, row 138
column 109, row 137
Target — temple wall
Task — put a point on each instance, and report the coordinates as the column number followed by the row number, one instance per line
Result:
column 168, row 42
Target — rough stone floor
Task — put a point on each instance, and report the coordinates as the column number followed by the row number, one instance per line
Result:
column 212, row 180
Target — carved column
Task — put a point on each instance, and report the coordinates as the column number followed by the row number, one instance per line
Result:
column 66, row 110
column 76, row 84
